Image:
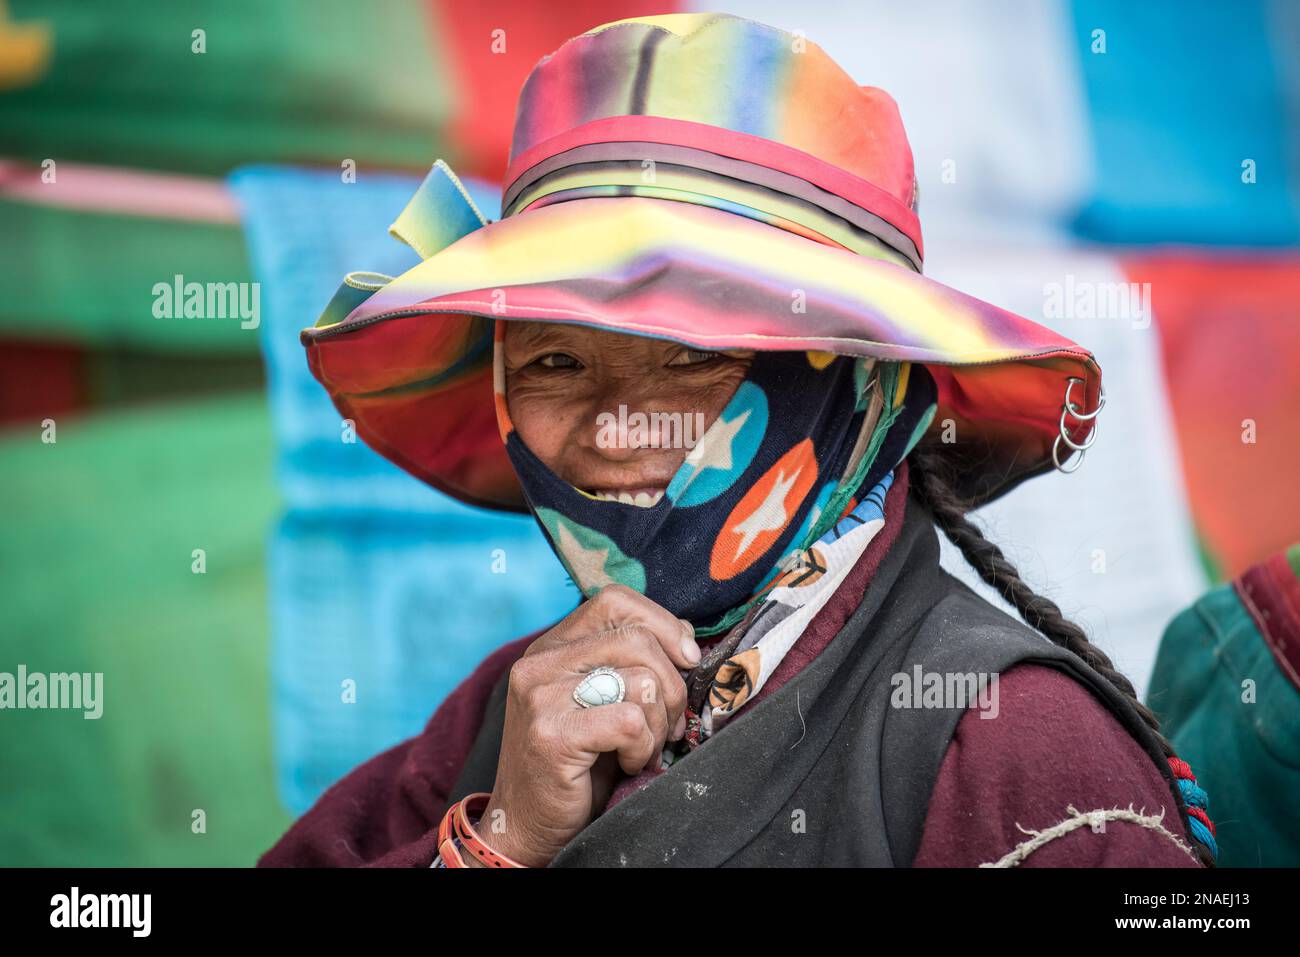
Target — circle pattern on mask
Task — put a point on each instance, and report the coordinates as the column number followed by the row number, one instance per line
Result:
column 759, row 518
column 593, row 560
column 724, row 451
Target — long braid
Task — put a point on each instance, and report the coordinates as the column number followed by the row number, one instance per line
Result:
column 930, row 477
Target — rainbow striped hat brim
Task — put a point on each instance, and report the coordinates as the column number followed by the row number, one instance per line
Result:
column 749, row 232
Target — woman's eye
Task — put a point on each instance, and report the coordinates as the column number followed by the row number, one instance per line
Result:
column 692, row 357
column 559, row 360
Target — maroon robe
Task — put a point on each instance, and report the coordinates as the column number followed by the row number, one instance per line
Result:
column 1053, row 745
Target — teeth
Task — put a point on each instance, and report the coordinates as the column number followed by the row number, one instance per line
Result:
column 641, row 499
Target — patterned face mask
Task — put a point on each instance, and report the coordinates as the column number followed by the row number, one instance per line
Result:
column 803, row 436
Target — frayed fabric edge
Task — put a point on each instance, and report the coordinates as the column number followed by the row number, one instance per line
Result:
column 1092, row 819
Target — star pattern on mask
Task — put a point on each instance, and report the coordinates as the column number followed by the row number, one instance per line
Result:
column 713, row 451
column 770, row 515
column 587, row 565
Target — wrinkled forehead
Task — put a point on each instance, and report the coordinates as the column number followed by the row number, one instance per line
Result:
column 531, row 334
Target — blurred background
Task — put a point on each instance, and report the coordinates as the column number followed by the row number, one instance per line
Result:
column 184, row 513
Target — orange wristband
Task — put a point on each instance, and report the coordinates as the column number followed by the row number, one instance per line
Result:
column 447, row 849
column 459, row 814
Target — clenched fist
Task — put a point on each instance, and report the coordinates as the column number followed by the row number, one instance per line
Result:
column 558, row 760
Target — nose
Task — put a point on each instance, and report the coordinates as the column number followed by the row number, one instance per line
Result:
column 625, row 424
column 611, row 434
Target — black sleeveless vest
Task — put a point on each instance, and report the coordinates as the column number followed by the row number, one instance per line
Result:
column 824, row 771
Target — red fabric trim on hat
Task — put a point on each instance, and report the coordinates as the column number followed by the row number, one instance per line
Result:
column 755, row 149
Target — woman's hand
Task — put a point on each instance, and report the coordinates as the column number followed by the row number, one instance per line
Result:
column 558, row 760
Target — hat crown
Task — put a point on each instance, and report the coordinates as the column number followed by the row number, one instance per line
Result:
column 743, row 127
column 775, row 98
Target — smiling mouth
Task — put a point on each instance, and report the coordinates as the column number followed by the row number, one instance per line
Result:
column 645, row 497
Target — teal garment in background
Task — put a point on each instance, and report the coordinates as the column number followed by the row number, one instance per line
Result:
column 1228, row 706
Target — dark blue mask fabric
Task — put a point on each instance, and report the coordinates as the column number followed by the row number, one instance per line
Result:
column 803, row 436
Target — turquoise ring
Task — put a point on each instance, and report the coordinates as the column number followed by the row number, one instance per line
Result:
column 603, row 685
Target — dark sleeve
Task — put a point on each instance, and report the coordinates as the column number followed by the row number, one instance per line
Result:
column 385, row 812
column 1052, row 747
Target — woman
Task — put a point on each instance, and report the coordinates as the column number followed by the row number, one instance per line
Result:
column 707, row 222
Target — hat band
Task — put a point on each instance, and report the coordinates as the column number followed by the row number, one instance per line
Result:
column 699, row 176
column 721, row 141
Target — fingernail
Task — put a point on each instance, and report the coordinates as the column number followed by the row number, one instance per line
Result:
column 691, row 650
column 680, row 729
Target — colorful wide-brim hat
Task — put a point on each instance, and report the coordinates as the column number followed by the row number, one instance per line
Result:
column 710, row 180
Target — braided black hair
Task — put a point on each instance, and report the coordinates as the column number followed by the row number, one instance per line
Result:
column 931, row 478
